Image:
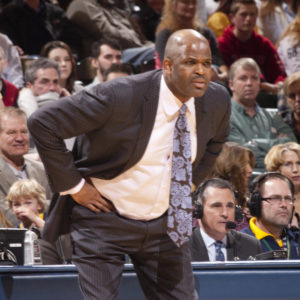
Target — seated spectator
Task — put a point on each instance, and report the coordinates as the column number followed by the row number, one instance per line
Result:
column 220, row 19
column 288, row 46
column 179, row 15
column 102, row 18
column 13, row 72
column 251, row 125
column 30, row 24
column 62, row 54
column 272, row 19
column 117, row 70
column 240, row 40
column 42, row 81
column 214, row 241
column 235, row 164
column 271, row 205
column 27, row 200
column 104, row 52
column 8, row 91
column 290, row 107
column 14, row 144
column 285, row 159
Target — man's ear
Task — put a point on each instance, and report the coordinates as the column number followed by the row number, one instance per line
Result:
column 230, row 84
column 167, row 65
column 231, row 17
column 94, row 63
column 28, row 85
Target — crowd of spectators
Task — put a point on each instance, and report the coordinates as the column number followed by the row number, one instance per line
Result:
column 255, row 49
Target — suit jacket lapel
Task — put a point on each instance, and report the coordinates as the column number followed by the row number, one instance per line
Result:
column 230, row 246
column 31, row 172
column 150, row 105
column 7, row 176
column 200, row 110
column 200, row 251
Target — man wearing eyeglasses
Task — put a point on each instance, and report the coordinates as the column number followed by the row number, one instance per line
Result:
column 271, row 205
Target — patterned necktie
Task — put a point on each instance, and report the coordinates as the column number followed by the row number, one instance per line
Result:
column 219, row 253
column 180, row 208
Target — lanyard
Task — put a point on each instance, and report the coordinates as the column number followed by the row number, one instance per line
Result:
column 286, row 246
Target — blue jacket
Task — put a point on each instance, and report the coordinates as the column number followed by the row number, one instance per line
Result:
column 292, row 236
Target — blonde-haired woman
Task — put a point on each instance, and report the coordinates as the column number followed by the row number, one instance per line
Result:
column 285, row 159
column 272, row 19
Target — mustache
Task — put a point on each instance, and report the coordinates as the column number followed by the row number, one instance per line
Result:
column 199, row 77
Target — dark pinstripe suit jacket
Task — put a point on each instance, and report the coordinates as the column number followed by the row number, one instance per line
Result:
column 114, row 121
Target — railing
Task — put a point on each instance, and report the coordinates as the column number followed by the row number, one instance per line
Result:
column 273, row 280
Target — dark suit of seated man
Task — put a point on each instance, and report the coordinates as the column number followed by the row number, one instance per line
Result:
column 213, row 240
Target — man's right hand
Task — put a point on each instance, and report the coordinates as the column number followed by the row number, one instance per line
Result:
column 90, row 198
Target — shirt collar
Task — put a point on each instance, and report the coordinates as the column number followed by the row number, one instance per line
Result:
column 171, row 104
column 16, row 171
column 209, row 241
column 260, row 234
column 241, row 108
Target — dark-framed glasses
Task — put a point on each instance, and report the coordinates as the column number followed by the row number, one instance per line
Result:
column 277, row 199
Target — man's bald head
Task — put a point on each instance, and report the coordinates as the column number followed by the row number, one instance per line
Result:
column 187, row 64
column 182, row 38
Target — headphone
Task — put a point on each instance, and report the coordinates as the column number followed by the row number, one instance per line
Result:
column 198, row 195
column 255, row 198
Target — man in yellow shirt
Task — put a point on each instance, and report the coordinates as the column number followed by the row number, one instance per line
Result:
column 271, row 205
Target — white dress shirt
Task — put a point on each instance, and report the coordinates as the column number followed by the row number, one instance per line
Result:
column 142, row 192
column 210, row 245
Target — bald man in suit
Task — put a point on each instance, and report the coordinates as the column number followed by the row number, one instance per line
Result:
column 115, row 186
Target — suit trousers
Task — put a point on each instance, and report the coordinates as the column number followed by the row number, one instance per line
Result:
column 101, row 241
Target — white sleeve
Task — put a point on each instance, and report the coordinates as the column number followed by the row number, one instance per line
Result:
column 27, row 102
column 74, row 189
